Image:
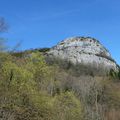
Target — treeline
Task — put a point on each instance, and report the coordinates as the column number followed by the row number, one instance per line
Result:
column 27, row 91
column 79, row 69
column 33, row 88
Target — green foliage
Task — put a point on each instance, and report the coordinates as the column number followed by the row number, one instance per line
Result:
column 115, row 75
column 43, row 50
column 19, row 82
column 119, row 74
column 16, row 76
column 26, row 90
column 67, row 107
column 31, row 89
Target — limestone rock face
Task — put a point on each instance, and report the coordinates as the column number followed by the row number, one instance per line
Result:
column 84, row 50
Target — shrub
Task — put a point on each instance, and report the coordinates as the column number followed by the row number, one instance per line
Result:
column 67, row 107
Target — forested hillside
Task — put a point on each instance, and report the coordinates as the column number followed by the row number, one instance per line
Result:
column 36, row 87
column 31, row 89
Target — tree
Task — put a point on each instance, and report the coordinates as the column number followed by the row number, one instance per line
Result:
column 119, row 74
column 67, row 106
column 3, row 25
column 3, row 28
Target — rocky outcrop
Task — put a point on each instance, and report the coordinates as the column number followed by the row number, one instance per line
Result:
column 84, row 50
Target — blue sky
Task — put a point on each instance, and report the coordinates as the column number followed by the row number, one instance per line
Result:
column 43, row 23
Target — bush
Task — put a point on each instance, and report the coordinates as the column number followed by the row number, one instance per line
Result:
column 67, row 107
column 26, row 91
column 20, row 84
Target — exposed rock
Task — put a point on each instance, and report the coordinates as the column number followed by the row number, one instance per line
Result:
column 84, row 50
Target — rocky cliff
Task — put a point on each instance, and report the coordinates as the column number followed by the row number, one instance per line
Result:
column 84, row 50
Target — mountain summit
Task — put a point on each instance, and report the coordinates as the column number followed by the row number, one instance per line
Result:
column 84, row 50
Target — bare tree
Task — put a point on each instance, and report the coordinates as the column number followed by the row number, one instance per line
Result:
column 3, row 25
column 3, row 28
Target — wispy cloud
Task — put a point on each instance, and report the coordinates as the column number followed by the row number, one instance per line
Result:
column 69, row 12
column 37, row 16
column 54, row 15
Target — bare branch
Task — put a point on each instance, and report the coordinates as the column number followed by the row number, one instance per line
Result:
column 3, row 25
